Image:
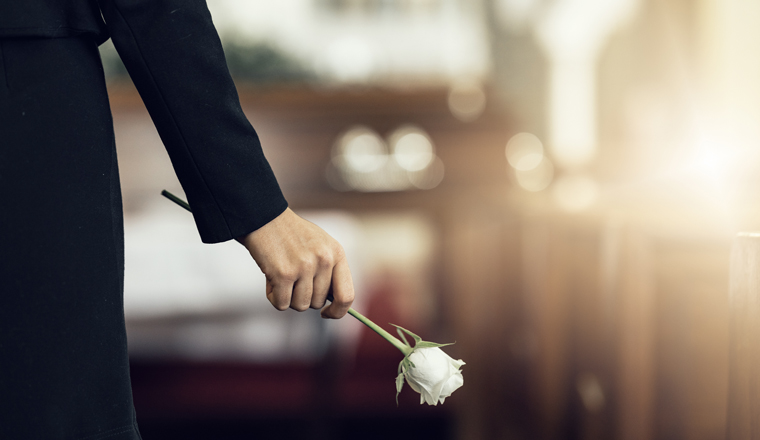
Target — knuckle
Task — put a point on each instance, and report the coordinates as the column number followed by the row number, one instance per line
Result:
column 280, row 307
column 285, row 274
column 318, row 301
column 300, row 307
column 344, row 302
column 307, row 264
column 339, row 253
column 324, row 258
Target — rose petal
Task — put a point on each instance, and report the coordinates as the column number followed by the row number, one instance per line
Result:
column 452, row 385
column 433, row 374
column 415, row 386
column 458, row 363
column 428, row 398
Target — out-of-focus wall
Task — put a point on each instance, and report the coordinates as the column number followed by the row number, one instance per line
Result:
column 571, row 233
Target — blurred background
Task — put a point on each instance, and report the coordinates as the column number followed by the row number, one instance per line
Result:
column 552, row 184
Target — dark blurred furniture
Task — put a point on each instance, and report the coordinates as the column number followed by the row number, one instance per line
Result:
column 341, row 397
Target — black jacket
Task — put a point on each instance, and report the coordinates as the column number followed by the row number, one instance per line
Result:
column 51, row 18
column 173, row 54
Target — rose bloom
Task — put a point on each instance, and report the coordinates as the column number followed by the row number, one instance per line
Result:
column 432, row 373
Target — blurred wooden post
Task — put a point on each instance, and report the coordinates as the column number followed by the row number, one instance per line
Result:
column 631, row 277
column 744, row 350
column 482, row 274
column 591, row 300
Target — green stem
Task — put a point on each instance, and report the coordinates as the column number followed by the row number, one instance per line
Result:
column 388, row 337
column 176, row 200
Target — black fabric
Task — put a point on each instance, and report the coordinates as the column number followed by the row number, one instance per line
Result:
column 63, row 352
column 174, row 56
column 51, row 18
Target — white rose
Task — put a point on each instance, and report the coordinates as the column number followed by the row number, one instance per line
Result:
column 432, row 373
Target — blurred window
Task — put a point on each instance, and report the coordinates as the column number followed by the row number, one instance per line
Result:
column 414, row 42
column 375, row 7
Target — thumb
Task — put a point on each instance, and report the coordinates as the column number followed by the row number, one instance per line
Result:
column 342, row 292
column 270, row 292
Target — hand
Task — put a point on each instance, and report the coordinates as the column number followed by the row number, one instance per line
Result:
column 302, row 265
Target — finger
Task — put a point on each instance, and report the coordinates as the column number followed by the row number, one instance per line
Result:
column 279, row 294
column 321, row 289
column 301, row 299
column 343, row 291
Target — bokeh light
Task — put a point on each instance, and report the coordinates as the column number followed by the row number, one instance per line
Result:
column 360, row 149
column 537, row 178
column 591, row 392
column 412, row 148
column 575, row 192
column 361, row 161
column 524, row 151
column 467, row 100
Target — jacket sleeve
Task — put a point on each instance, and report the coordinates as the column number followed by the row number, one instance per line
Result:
column 173, row 54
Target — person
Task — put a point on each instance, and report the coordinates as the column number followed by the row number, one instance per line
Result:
column 63, row 353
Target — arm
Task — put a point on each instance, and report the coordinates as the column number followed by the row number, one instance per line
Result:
column 174, row 56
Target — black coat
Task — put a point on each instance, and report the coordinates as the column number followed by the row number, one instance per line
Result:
column 63, row 354
column 173, row 54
